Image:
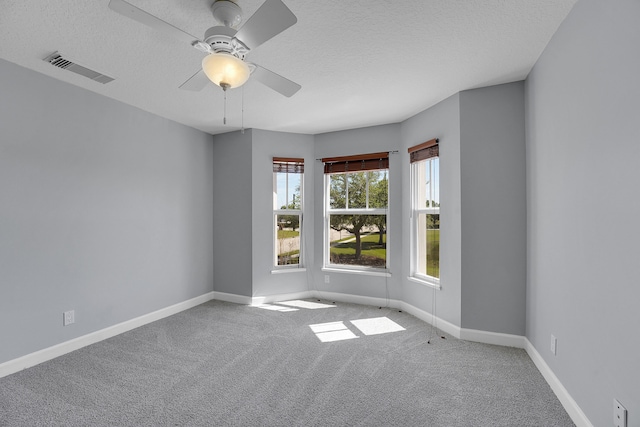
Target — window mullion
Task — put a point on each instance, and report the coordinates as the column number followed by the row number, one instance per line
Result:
column 346, row 190
column 366, row 186
column 360, row 211
column 286, row 185
column 288, row 211
column 431, row 182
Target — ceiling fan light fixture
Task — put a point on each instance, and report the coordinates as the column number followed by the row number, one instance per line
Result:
column 225, row 70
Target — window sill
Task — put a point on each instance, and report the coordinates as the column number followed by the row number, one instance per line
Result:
column 425, row 282
column 288, row 270
column 382, row 273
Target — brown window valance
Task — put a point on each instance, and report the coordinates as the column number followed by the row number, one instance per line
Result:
column 424, row 151
column 288, row 164
column 357, row 163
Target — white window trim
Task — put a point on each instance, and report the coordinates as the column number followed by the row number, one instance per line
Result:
column 360, row 211
column 416, row 276
column 286, row 269
column 381, row 272
column 425, row 280
column 289, row 267
column 340, row 268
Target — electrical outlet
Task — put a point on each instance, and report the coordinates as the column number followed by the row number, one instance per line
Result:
column 326, row 278
column 554, row 344
column 68, row 317
column 619, row 414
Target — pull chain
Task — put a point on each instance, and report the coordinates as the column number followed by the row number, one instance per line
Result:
column 242, row 115
column 224, row 119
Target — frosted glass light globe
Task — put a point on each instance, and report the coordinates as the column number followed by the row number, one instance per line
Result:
column 225, row 70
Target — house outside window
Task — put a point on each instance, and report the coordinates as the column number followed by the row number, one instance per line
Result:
column 288, row 180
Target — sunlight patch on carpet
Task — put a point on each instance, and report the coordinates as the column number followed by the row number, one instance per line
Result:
column 377, row 325
column 274, row 307
column 306, row 304
column 332, row 331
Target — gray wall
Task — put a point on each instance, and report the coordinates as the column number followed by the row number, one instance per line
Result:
column 232, row 213
column 104, row 209
column 483, row 209
column 266, row 145
column 493, row 192
column 243, row 228
column 583, row 157
column 440, row 121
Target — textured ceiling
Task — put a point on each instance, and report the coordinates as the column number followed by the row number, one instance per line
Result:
column 360, row 62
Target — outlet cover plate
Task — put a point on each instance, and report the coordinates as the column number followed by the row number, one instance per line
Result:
column 619, row 414
column 554, row 344
column 68, row 317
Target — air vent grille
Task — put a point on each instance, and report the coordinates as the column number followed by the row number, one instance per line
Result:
column 57, row 60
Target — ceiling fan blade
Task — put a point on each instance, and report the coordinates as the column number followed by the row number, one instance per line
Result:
column 130, row 11
column 275, row 81
column 272, row 18
column 196, row 82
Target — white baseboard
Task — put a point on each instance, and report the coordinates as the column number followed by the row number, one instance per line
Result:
column 442, row 324
column 236, row 299
column 281, row 297
column 570, row 405
column 448, row 327
column 496, row 338
column 32, row 359
column 355, row 299
column 439, row 323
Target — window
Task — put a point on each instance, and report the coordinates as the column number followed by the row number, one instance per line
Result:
column 425, row 211
column 288, row 176
column 356, row 210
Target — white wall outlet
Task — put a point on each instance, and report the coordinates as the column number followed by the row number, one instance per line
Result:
column 619, row 414
column 68, row 317
column 326, row 278
column 554, row 344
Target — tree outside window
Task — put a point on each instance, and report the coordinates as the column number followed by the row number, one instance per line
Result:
column 358, row 218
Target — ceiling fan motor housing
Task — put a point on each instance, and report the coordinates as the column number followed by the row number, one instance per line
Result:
column 221, row 39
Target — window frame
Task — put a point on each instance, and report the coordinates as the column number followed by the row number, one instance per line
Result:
column 290, row 162
column 328, row 211
column 418, row 161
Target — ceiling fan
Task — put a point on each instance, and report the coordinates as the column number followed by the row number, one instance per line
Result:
column 226, row 47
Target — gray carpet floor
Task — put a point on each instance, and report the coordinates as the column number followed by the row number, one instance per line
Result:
column 221, row 364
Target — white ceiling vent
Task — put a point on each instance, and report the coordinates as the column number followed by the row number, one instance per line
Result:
column 56, row 59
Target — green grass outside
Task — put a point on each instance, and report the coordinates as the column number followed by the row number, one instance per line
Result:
column 285, row 234
column 433, row 269
column 370, row 246
column 433, row 253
